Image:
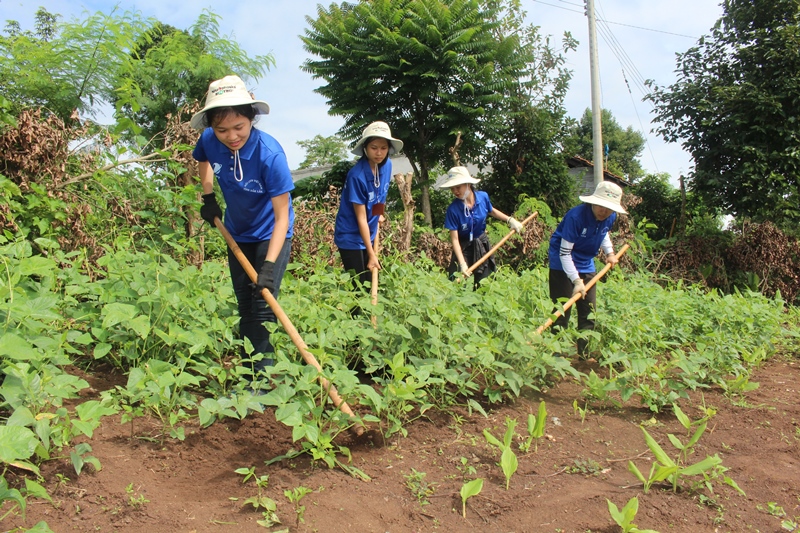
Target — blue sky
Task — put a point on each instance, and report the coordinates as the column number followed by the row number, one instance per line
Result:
column 646, row 34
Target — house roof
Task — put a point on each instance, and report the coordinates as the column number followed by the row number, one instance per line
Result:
column 579, row 162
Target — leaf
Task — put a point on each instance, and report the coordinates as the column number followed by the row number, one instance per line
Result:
column 16, row 443
column 491, row 439
column 116, row 313
column 17, row 348
column 509, row 464
column 661, row 457
column 33, row 488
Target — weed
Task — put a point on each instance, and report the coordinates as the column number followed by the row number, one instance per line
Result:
column 135, row 500
column 420, row 489
column 294, row 496
column 772, row 508
column 586, row 467
column 260, row 501
column 465, row 468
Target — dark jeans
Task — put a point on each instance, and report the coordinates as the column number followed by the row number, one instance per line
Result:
column 254, row 311
column 561, row 287
column 355, row 262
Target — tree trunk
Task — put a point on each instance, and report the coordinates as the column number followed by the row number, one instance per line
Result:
column 426, row 203
column 404, row 184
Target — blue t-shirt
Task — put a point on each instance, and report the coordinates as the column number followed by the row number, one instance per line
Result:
column 580, row 227
column 265, row 174
column 468, row 221
column 359, row 188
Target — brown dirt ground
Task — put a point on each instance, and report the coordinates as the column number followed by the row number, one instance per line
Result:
column 191, row 486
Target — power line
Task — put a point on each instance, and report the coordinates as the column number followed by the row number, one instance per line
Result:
column 582, row 12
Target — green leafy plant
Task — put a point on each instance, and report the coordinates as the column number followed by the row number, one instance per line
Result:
column 135, row 498
column 508, row 459
column 536, row 425
column 260, row 502
column 294, row 496
column 468, row 490
column 664, row 468
column 624, row 518
column 419, row 487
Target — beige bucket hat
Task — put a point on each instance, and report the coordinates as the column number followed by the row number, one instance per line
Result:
column 228, row 91
column 606, row 194
column 378, row 129
column 457, row 176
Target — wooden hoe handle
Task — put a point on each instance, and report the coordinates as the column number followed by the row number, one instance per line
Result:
column 496, row 247
column 308, row 357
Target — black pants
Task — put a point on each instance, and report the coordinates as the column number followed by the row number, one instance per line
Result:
column 355, row 262
column 561, row 287
column 253, row 310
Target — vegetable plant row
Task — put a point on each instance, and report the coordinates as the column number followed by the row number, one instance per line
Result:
column 434, row 344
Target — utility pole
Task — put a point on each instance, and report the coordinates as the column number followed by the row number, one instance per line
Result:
column 597, row 130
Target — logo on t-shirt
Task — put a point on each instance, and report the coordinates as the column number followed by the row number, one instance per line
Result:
column 217, row 168
column 371, row 196
column 253, row 186
column 583, row 233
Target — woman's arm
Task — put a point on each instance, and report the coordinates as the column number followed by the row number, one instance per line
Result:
column 280, row 206
column 206, row 177
column 462, row 263
column 363, row 230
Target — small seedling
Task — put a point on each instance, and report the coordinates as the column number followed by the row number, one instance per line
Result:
column 135, row 500
column 772, row 508
column 624, row 518
column 260, row 502
column 508, row 459
column 421, row 489
column 469, row 489
column 294, row 496
column 581, row 411
column 535, row 428
column 465, row 468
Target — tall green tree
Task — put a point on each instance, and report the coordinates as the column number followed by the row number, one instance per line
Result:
column 321, row 151
column 169, row 68
column 625, row 145
column 526, row 157
column 430, row 68
column 735, row 108
column 66, row 67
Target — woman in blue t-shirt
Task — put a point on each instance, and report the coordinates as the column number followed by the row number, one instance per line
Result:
column 363, row 199
column 253, row 175
column 466, row 220
column 579, row 236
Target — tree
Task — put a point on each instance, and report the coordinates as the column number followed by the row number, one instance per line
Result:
column 170, row 68
column 321, row 151
column 66, row 67
column 430, row 68
column 661, row 204
column 624, row 145
column 734, row 107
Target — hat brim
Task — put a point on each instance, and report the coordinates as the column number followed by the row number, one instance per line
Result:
column 197, row 121
column 457, row 180
column 395, row 145
column 602, row 202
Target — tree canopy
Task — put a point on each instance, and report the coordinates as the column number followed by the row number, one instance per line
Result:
column 430, row 68
column 321, row 151
column 624, row 145
column 169, row 68
column 734, row 107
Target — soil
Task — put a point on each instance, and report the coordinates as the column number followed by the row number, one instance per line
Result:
column 191, row 486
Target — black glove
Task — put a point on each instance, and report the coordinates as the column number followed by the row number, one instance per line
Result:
column 266, row 277
column 210, row 208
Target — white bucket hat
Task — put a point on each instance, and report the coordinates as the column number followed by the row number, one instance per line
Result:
column 457, row 176
column 378, row 129
column 606, row 194
column 229, row 91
